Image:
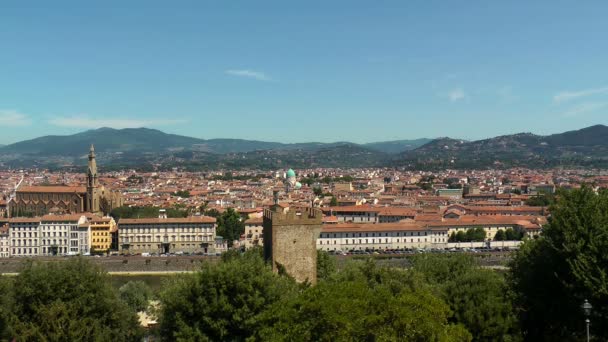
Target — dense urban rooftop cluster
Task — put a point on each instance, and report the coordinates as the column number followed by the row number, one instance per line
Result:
column 364, row 209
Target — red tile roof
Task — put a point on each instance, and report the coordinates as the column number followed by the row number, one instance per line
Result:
column 190, row 219
column 53, row 189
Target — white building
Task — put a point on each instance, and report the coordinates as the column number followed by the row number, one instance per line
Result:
column 425, row 234
column 64, row 234
column 195, row 234
column 380, row 236
column 354, row 213
column 24, row 236
column 4, row 242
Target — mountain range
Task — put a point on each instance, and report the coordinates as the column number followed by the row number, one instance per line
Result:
column 152, row 140
column 584, row 147
column 150, row 148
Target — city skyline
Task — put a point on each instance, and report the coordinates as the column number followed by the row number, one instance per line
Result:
column 324, row 72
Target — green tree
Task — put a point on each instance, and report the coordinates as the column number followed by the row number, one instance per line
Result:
column 541, row 200
column 182, row 193
column 230, row 226
column 461, row 236
column 221, row 302
column 326, row 265
column 213, row 213
column 554, row 274
column 318, row 191
column 362, row 303
column 452, row 237
column 333, row 202
column 136, row 294
column 71, row 300
column 478, row 298
column 475, row 234
column 5, row 304
column 426, row 186
column 513, row 234
column 500, row 235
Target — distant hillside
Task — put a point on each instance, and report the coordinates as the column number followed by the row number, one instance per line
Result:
column 584, row 147
column 151, row 140
column 397, row 146
column 145, row 148
column 129, row 139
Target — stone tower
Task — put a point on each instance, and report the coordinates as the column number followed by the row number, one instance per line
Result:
column 93, row 191
column 290, row 241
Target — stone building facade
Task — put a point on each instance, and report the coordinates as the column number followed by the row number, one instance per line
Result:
column 195, row 234
column 41, row 200
column 290, row 241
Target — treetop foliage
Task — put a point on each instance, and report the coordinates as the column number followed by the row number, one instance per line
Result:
column 71, row 300
column 552, row 275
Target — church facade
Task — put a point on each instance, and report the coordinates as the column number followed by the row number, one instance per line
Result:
column 41, row 200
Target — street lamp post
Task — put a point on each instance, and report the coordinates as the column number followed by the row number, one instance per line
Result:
column 587, row 309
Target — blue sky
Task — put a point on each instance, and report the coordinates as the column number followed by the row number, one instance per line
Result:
column 315, row 71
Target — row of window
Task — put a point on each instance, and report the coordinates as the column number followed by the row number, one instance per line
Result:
column 166, row 229
column 361, row 241
column 23, row 251
column 166, row 238
column 28, row 234
column 149, row 247
column 327, row 235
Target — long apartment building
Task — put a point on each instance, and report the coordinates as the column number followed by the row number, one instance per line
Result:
column 370, row 214
column 411, row 234
column 48, row 235
column 194, row 234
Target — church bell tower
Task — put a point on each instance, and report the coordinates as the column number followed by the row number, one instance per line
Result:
column 93, row 195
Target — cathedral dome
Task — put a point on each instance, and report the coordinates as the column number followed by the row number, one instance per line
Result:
column 291, row 173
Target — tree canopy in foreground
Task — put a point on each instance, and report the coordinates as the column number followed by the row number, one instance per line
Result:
column 554, row 274
column 71, row 300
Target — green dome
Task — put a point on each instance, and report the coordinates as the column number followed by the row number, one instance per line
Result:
column 298, row 185
column 291, row 173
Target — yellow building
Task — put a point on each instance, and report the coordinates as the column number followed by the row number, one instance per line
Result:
column 101, row 233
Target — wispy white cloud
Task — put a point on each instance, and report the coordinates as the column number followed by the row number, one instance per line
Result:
column 87, row 122
column 571, row 95
column 258, row 75
column 456, row 94
column 584, row 108
column 11, row 118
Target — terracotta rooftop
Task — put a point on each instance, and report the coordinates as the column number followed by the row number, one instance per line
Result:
column 352, row 208
column 61, row 218
column 409, row 225
column 397, row 211
column 52, row 189
column 24, row 220
column 190, row 219
column 371, row 227
column 254, row 220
